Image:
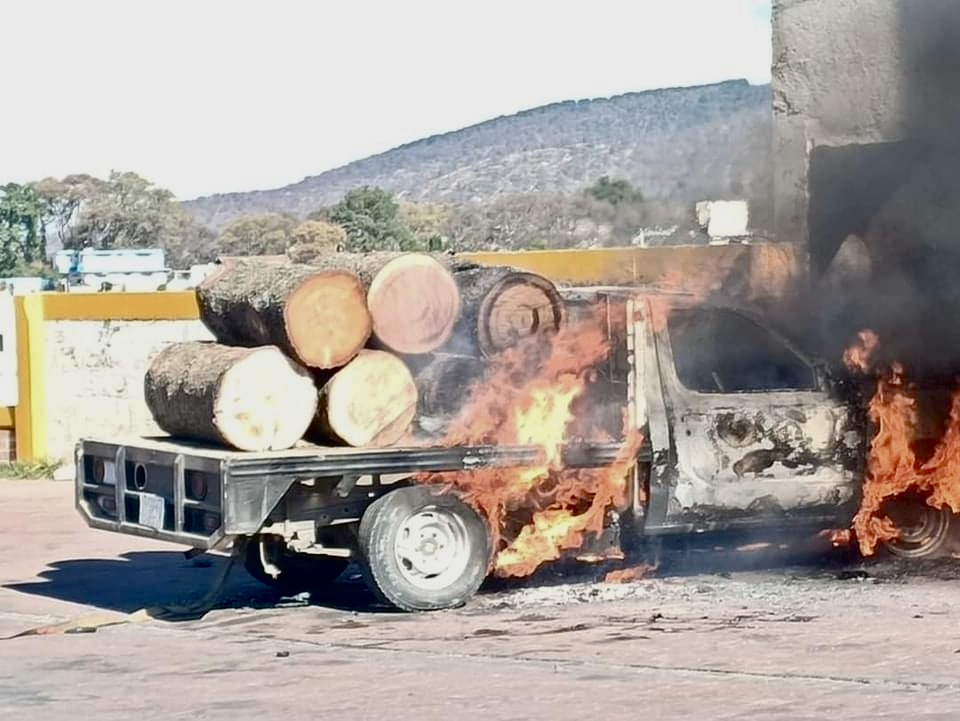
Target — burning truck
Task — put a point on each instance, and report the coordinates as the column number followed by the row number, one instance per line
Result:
column 499, row 424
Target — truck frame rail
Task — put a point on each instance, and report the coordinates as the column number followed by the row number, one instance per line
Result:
column 200, row 495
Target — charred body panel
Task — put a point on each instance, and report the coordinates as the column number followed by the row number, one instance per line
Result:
column 741, row 435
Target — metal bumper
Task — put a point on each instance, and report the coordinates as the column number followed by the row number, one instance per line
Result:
column 114, row 501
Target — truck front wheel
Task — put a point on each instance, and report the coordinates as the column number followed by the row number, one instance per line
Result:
column 422, row 551
column 298, row 572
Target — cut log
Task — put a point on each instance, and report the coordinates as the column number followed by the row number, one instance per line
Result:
column 500, row 307
column 444, row 385
column 317, row 317
column 253, row 399
column 415, row 303
column 412, row 297
column 369, row 402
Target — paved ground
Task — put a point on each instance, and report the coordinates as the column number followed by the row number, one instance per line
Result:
column 835, row 641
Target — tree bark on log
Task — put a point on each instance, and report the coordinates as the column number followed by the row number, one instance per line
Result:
column 253, row 399
column 500, row 307
column 371, row 401
column 317, row 317
column 412, row 297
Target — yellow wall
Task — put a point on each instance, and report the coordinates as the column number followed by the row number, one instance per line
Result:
column 765, row 268
column 29, row 418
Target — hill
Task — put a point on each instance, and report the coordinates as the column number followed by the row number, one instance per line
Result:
column 709, row 141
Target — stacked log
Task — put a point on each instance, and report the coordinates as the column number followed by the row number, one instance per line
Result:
column 443, row 385
column 501, row 307
column 319, row 318
column 253, row 399
column 413, row 299
column 369, row 402
column 334, row 343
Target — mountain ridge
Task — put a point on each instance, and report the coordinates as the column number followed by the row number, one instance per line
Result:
column 682, row 142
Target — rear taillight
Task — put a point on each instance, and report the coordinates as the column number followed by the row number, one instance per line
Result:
column 211, row 522
column 107, row 504
column 196, row 486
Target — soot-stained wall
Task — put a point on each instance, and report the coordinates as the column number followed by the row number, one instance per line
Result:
column 867, row 144
column 866, row 113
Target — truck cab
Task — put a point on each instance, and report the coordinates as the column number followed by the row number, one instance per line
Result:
column 741, row 430
column 746, row 429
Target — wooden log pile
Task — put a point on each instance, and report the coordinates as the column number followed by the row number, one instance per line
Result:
column 361, row 350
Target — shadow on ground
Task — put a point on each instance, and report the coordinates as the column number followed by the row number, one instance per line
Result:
column 159, row 578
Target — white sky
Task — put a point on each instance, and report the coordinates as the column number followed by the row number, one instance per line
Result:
column 208, row 96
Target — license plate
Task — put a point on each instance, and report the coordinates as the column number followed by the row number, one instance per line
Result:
column 152, row 509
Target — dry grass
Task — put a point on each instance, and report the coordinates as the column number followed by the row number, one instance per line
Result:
column 29, row 471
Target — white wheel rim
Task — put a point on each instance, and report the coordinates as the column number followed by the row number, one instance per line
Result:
column 432, row 548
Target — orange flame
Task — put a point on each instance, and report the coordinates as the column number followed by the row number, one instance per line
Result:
column 893, row 468
column 859, row 356
column 839, row 537
column 529, row 398
column 626, row 575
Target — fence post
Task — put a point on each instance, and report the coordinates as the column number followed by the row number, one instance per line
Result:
column 31, row 412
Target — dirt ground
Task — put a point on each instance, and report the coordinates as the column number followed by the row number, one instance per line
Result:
column 769, row 638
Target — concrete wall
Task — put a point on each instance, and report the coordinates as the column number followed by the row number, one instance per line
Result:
column 865, row 96
column 94, row 376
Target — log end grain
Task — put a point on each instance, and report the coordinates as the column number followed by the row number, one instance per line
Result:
column 369, row 402
column 249, row 399
column 414, row 302
column 266, row 402
column 519, row 306
column 327, row 320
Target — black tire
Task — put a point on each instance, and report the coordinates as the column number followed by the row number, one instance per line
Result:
column 927, row 532
column 299, row 572
column 421, row 551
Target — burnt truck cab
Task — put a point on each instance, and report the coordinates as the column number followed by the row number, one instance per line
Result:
column 745, row 429
column 741, row 430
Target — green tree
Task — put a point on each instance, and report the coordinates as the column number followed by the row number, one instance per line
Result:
column 63, row 199
column 614, row 191
column 268, row 234
column 314, row 238
column 369, row 217
column 427, row 222
column 22, row 231
column 188, row 243
column 123, row 211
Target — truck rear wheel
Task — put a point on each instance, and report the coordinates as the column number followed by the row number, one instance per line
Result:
column 422, row 551
column 925, row 532
column 299, row 572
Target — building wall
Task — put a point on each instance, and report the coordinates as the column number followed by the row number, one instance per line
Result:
column 94, row 376
column 864, row 96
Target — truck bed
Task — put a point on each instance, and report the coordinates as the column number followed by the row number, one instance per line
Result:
column 309, row 461
column 117, row 480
